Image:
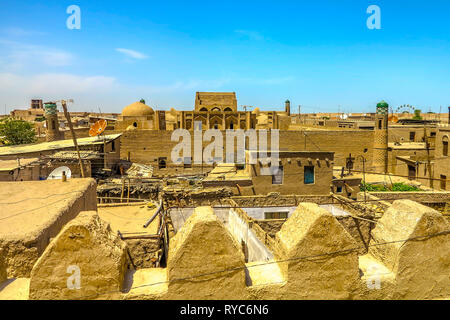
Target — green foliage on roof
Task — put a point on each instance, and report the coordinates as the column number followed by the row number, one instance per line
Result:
column 417, row 115
column 396, row 187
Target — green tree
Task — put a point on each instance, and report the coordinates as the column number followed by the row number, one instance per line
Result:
column 14, row 131
column 417, row 115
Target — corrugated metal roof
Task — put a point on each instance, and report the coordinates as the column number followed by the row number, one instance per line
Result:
column 55, row 145
column 72, row 155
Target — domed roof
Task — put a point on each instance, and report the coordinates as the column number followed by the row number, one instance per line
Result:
column 137, row 109
column 256, row 111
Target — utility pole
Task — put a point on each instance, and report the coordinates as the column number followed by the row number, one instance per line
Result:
column 299, row 108
column 67, row 115
column 427, row 145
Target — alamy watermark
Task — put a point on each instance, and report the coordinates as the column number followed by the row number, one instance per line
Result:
column 74, row 20
column 374, row 280
column 257, row 147
column 374, row 21
column 74, row 280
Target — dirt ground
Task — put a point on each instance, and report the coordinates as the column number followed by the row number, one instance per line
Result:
column 130, row 219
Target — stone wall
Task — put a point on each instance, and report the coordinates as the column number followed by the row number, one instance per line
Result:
column 146, row 146
column 413, row 262
column 28, row 234
column 203, row 246
column 422, row 197
column 275, row 199
column 86, row 259
column 254, row 249
column 3, row 274
column 315, row 258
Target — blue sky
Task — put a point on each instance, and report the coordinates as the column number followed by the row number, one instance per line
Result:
column 319, row 54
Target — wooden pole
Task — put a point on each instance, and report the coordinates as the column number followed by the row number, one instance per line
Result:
column 123, row 187
column 128, row 193
column 67, row 115
column 430, row 174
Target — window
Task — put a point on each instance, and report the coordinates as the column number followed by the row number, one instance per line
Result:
column 113, row 146
column 277, row 178
column 411, row 172
column 380, row 124
column 309, row 175
column 276, row 215
column 412, row 136
column 162, row 162
column 339, row 189
column 445, row 146
column 443, row 182
column 187, row 163
column 135, row 124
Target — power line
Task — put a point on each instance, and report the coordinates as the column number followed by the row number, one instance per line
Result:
column 346, row 251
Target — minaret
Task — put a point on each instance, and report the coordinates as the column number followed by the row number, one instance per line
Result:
column 287, row 107
column 51, row 116
column 380, row 143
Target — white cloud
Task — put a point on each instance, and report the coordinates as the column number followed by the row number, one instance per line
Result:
column 91, row 92
column 18, row 56
column 54, row 85
column 132, row 53
column 19, row 32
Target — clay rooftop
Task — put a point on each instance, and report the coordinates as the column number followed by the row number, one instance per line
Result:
column 29, row 207
column 8, row 165
column 55, row 145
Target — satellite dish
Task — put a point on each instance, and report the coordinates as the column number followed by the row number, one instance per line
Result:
column 98, row 128
column 393, row 118
column 58, row 172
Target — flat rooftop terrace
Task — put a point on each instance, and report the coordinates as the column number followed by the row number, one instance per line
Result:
column 32, row 212
column 130, row 219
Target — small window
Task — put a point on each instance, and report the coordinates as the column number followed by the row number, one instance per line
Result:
column 277, row 178
column 433, row 134
column 113, row 146
column 135, row 124
column 187, row 163
column 443, row 182
column 162, row 163
column 445, row 148
column 380, row 124
column 339, row 189
column 309, row 175
column 276, row 215
column 412, row 136
column 411, row 172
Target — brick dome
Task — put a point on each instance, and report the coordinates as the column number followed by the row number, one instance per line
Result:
column 137, row 109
